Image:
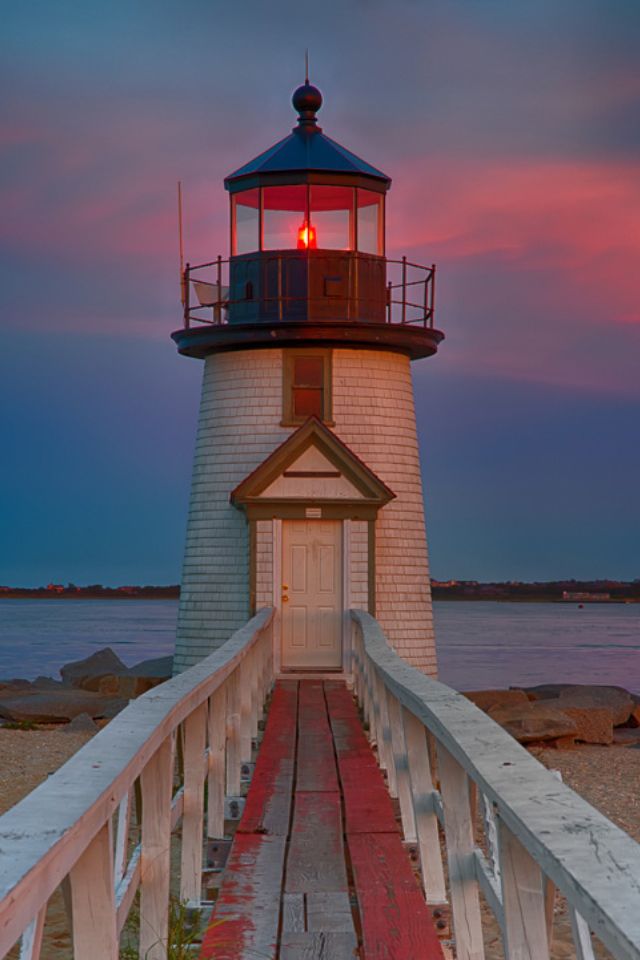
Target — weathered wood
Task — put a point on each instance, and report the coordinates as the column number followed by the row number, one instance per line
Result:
column 31, row 942
column 245, row 683
column 268, row 805
column 594, row 863
column 195, row 736
column 401, row 766
column 245, row 921
column 422, row 790
column 318, row 946
column 581, row 936
column 385, row 746
column 156, row 783
column 525, row 925
column 216, row 776
column 93, row 900
column 368, row 807
column 315, row 861
column 122, row 838
column 329, row 911
column 465, row 901
column 234, row 744
column 316, row 765
column 396, row 922
column 293, row 912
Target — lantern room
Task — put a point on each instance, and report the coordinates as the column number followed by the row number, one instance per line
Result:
column 307, row 229
column 307, row 262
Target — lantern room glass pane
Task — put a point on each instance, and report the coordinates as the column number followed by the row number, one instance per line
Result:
column 246, row 221
column 370, row 239
column 332, row 216
column 285, row 217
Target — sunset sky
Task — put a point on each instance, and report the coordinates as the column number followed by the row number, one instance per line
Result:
column 511, row 129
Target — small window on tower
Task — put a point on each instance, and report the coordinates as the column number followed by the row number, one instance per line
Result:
column 306, row 386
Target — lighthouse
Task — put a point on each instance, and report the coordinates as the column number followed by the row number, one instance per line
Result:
column 306, row 491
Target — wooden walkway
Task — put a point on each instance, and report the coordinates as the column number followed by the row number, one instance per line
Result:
column 317, row 868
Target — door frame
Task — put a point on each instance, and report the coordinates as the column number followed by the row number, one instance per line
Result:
column 277, row 540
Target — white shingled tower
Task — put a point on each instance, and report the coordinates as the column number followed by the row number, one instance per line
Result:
column 306, row 492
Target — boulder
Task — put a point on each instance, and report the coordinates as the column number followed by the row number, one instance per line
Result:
column 161, row 668
column 615, row 699
column 527, row 722
column 626, row 737
column 592, row 725
column 85, row 674
column 47, row 683
column 486, row 699
column 83, row 723
column 55, row 706
column 122, row 685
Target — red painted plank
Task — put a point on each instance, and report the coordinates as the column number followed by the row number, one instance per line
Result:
column 246, row 917
column 396, row 922
column 368, row 807
column 268, row 804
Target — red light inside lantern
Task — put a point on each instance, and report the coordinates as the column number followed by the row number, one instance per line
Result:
column 307, row 239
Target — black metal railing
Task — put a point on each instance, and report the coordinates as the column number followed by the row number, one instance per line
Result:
column 401, row 292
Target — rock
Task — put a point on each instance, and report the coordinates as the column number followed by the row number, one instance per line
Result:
column 123, row 685
column 47, row 683
column 626, row 737
column 161, row 668
column 55, row 706
column 634, row 718
column 83, row 723
column 615, row 699
column 533, row 721
column 592, row 725
column 547, row 691
column 85, row 674
column 18, row 683
column 486, row 699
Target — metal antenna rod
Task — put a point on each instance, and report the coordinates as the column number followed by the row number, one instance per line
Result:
column 306, row 65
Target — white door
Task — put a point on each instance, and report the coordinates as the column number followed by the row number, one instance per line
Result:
column 311, row 595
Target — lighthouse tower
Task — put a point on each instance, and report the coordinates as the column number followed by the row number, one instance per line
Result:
column 306, row 493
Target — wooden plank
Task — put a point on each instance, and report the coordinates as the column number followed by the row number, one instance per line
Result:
column 316, row 764
column 268, row 805
column 316, row 854
column 368, row 807
column 293, row 912
column 245, row 921
column 329, row 912
column 318, row 946
column 396, row 922
column 216, row 762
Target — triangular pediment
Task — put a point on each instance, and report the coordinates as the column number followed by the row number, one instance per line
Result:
column 312, row 464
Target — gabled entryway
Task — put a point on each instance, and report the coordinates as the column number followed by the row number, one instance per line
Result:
column 311, row 507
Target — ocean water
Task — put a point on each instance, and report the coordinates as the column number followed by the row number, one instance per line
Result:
column 480, row 644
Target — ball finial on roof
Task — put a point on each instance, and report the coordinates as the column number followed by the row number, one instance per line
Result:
column 307, row 100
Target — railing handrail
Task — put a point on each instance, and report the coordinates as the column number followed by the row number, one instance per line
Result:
column 591, row 860
column 47, row 831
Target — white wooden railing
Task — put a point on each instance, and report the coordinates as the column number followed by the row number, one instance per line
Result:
column 538, row 834
column 158, row 755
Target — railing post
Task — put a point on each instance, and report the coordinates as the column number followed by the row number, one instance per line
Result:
column 253, row 665
column 195, row 730
column 465, row 899
column 122, row 838
column 234, row 759
column 385, row 747
column 401, row 764
column 245, row 710
column 156, row 782
column 404, row 289
column 433, row 294
column 217, row 312
column 187, row 297
column 389, row 303
column 422, row 792
column 93, row 900
column 216, row 763
column 31, row 943
column 525, row 926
